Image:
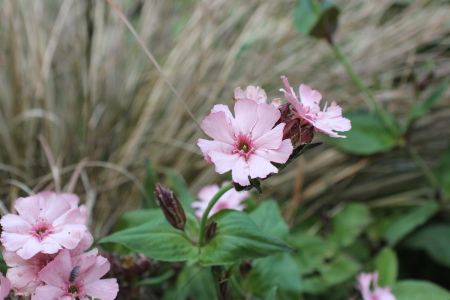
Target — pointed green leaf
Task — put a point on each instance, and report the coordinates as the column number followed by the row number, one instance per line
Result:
column 238, row 238
column 178, row 184
column 406, row 224
column 316, row 19
column 367, row 136
column 156, row 239
column 443, row 171
column 268, row 218
column 149, row 185
column 386, row 264
column 433, row 99
column 349, row 223
column 419, row 290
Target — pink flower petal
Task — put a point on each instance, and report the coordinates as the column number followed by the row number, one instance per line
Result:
column 5, row 287
column 241, row 171
column 223, row 162
column 49, row 292
column 49, row 245
column 206, row 146
column 216, row 126
column 267, row 116
column 15, row 223
column 100, row 268
column 207, row 192
column 83, row 245
column 57, row 272
column 260, row 167
column 21, row 276
column 30, row 248
column 280, row 155
column 67, row 217
column 28, row 208
column 245, row 111
column 14, row 241
column 310, row 97
column 272, row 139
column 105, row 289
column 52, row 207
column 69, row 235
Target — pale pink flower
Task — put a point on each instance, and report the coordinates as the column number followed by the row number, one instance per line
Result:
column 231, row 200
column 246, row 143
column 60, row 285
column 326, row 121
column 378, row 293
column 23, row 273
column 256, row 94
column 44, row 224
column 5, row 286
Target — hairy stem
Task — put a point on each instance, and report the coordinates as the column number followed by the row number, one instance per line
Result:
column 213, row 201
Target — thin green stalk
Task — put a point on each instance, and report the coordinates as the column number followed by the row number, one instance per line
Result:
column 357, row 79
column 213, row 201
column 424, row 168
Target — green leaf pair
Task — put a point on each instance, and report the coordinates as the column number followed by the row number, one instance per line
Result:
column 237, row 238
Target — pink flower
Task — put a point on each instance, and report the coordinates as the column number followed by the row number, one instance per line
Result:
column 44, row 224
column 231, row 199
column 256, row 94
column 5, row 287
column 23, row 273
column 308, row 109
column 247, row 143
column 378, row 293
column 68, row 280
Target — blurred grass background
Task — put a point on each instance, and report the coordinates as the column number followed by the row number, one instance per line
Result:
column 71, row 73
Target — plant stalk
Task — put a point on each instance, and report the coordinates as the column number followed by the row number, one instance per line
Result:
column 357, row 79
column 423, row 167
column 211, row 204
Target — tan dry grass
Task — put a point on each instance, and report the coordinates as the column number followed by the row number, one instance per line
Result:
column 69, row 70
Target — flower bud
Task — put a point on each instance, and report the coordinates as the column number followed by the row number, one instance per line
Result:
column 297, row 130
column 171, row 207
column 210, row 230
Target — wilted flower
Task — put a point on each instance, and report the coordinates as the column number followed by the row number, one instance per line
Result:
column 231, row 199
column 246, row 143
column 68, row 280
column 44, row 224
column 326, row 121
column 378, row 293
column 5, row 286
column 171, row 207
column 23, row 273
column 256, row 94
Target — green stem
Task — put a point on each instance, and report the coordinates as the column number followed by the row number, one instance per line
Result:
column 357, row 79
column 213, row 201
column 424, row 168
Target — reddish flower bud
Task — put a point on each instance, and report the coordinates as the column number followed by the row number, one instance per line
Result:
column 210, row 230
column 299, row 131
column 170, row 206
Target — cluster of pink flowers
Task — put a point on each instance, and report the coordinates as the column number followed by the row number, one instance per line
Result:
column 232, row 199
column 365, row 280
column 44, row 248
column 251, row 140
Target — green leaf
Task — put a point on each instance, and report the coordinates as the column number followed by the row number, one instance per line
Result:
column 272, row 295
column 156, row 239
column 443, row 171
column 137, row 217
column 367, row 136
column 238, row 238
column 181, row 190
column 157, row 280
column 435, row 240
column 433, row 99
column 386, row 264
column 339, row 270
column 406, row 224
column 312, row 252
column 419, row 290
column 316, row 19
column 268, row 218
column 275, row 271
column 349, row 223
column 195, row 282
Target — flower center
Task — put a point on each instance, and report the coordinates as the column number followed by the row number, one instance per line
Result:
column 41, row 229
column 243, row 145
column 73, row 290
